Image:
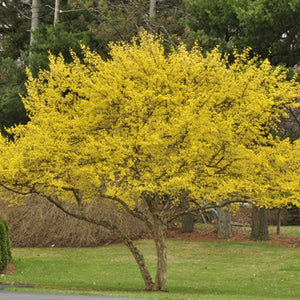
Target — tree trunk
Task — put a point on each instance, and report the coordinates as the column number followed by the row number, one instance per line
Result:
column 278, row 221
column 139, row 258
column 161, row 250
column 187, row 220
column 35, row 13
column 56, row 11
column 224, row 222
column 187, row 223
column 259, row 228
column 152, row 9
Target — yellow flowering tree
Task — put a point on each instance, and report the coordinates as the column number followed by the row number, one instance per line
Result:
column 155, row 134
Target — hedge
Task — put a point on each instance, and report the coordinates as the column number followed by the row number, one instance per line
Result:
column 5, row 251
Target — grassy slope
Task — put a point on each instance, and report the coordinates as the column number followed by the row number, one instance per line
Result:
column 197, row 270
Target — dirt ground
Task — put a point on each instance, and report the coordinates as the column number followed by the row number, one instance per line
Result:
column 11, row 268
column 209, row 233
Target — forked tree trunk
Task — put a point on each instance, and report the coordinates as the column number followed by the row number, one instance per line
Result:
column 259, row 228
column 161, row 251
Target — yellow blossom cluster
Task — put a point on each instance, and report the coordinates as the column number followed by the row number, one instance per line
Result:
column 145, row 121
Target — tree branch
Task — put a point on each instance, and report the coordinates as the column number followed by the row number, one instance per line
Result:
column 134, row 212
column 30, row 191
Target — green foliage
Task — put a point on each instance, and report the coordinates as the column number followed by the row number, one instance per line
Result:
column 12, row 77
column 270, row 28
column 5, row 252
column 56, row 39
column 213, row 22
column 115, row 20
column 14, row 27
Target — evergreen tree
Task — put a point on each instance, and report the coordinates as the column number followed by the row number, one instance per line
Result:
column 271, row 28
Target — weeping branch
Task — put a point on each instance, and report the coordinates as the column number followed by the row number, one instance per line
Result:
column 149, row 285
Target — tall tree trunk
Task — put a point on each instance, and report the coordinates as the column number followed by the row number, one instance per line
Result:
column 224, row 222
column 152, row 9
column 35, row 14
column 161, row 250
column 259, row 228
column 278, row 221
column 56, row 11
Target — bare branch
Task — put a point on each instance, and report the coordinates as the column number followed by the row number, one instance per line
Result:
column 134, row 212
column 30, row 190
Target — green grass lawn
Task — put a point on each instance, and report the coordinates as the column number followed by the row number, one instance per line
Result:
column 286, row 230
column 196, row 270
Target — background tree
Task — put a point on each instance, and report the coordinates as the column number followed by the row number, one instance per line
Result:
column 224, row 222
column 259, row 226
column 12, row 78
column 152, row 8
column 14, row 27
column 35, row 18
column 121, row 20
column 143, row 130
column 22, row 21
column 270, row 28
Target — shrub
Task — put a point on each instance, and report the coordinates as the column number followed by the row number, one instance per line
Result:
column 5, row 252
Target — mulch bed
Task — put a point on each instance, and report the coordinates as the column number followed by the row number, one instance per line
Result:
column 11, row 268
column 209, row 233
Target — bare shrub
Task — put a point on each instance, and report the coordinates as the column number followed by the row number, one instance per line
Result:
column 38, row 223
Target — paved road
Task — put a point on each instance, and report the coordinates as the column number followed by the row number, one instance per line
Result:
column 7, row 295
column 33, row 296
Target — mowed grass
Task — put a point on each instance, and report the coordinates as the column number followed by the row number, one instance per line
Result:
column 286, row 230
column 196, row 270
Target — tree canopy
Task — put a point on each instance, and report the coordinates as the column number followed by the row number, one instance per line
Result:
column 148, row 130
column 271, row 28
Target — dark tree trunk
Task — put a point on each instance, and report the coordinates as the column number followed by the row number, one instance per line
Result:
column 259, row 228
column 278, row 221
column 224, row 223
column 187, row 223
column 187, row 220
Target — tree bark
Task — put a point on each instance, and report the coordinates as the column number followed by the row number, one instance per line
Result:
column 35, row 14
column 139, row 258
column 152, row 9
column 259, row 228
column 161, row 250
column 187, row 220
column 278, row 221
column 224, row 223
column 187, row 223
column 56, row 11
